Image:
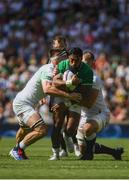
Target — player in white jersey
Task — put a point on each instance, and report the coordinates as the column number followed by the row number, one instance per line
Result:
column 32, row 126
column 94, row 119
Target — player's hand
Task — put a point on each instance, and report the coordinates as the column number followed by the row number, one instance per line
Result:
column 75, row 80
column 75, row 97
column 58, row 107
column 43, row 101
column 55, row 107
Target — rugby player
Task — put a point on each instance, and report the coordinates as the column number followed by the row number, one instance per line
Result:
column 32, row 126
column 94, row 119
column 61, row 43
column 83, row 77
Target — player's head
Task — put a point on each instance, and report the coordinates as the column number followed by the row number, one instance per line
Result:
column 88, row 57
column 75, row 58
column 59, row 42
column 55, row 55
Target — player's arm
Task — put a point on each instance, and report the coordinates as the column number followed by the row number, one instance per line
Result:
column 58, row 82
column 89, row 94
column 48, row 88
column 89, row 97
column 53, row 91
column 66, row 85
column 62, row 67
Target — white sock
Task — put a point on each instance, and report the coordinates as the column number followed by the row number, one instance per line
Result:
column 22, row 145
column 55, row 150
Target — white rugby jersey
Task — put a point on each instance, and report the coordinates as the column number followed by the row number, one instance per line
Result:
column 33, row 91
column 100, row 104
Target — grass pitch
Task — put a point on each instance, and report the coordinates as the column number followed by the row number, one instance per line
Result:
column 38, row 167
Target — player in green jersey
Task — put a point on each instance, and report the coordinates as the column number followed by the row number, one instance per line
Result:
column 83, row 77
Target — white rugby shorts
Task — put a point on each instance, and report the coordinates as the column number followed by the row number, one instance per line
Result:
column 102, row 120
column 23, row 112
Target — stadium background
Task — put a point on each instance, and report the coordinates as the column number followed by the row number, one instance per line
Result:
column 26, row 30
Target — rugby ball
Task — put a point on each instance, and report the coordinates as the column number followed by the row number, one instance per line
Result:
column 68, row 76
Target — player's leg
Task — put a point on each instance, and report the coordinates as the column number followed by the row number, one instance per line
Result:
column 70, row 130
column 98, row 148
column 115, row 152
column 58, row 117
column 76, row 146
column 90, row 128
column 81, row 141
column 63, row 147
column 21, row 133
column 38, row 130
column 63, row 152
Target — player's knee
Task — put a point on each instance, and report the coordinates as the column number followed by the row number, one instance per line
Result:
column 88, row 129
column 88, row 132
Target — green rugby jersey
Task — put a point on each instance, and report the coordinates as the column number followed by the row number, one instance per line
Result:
column 85, row 73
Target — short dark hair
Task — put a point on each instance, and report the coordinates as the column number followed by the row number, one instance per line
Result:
column 75, row 51
column 91, row 55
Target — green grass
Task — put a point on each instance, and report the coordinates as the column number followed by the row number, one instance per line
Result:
column 102, row 167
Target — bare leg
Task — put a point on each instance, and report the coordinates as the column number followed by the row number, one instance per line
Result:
column 21, row 133
column 70, row 130
column 72, row 123
column 25, row 138
column 37, row 133
column 58, row 117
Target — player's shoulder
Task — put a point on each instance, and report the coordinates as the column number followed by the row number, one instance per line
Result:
column 46, row 70
column 63, row 66
column 46, row 67
column 64, row 62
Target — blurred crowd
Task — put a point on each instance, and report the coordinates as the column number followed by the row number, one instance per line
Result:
column 26, row 31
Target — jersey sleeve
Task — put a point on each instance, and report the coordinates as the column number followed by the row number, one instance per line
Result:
column 63, row 66
column 46, row 75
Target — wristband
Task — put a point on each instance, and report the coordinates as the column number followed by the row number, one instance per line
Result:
column 68, row 83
